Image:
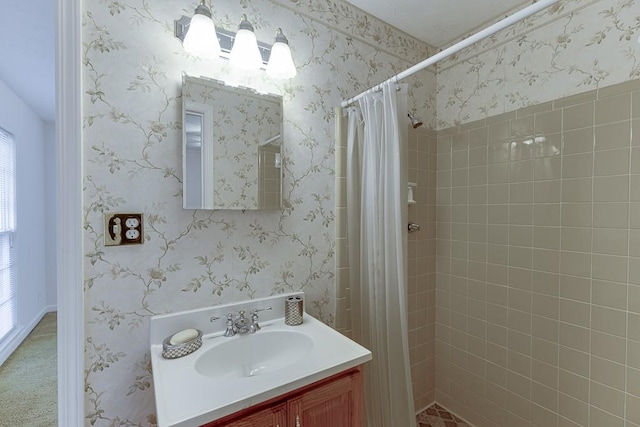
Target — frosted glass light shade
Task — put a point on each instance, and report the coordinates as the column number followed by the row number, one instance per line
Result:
column 245, row 53
column 281, row 64
column 201, row 38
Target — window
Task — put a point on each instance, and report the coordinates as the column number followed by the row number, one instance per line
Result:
column 7, row 230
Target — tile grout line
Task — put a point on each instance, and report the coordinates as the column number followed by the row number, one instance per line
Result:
column 562, row 148
column 593, row 181
column 626, row 341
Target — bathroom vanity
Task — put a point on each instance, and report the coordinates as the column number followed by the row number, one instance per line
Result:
column 288, row 376
column 336, row 401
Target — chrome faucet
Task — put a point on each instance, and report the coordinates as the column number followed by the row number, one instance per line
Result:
column 239, row 325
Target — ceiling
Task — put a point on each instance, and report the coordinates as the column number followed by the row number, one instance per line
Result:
column 27, row 36
column 27, row 58
column 439, row 22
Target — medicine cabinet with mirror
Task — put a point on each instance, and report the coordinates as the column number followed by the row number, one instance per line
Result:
column 232, row 147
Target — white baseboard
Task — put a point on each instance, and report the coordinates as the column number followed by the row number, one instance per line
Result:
column 51, row 308
column 12, row 342
column 20, row 334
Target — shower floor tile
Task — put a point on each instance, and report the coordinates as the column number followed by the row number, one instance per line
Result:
column 437, row 416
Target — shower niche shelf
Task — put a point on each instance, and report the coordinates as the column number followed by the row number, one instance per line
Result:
column 410, row 199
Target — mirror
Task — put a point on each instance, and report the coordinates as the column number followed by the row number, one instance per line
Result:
column 232, row 141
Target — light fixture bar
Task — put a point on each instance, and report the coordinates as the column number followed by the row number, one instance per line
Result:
column 180, row 27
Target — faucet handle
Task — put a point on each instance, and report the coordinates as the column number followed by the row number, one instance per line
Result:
column 255, row 327
column 231, row 330
column 254, row 313
column 257, row 310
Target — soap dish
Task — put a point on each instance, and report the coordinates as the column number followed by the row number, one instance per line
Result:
column 174, row 351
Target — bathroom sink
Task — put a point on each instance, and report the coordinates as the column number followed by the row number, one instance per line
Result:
column 247, row 356
column 230, row 374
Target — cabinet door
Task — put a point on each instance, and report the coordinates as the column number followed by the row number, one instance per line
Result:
column 336, row 404
column 275, row 416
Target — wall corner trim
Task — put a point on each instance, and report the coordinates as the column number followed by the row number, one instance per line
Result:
column 69, row 213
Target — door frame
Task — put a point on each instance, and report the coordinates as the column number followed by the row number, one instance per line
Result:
column 69, row 212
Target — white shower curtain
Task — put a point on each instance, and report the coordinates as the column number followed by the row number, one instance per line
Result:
column 377, row 240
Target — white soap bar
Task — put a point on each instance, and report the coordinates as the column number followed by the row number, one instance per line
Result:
column 183, row 336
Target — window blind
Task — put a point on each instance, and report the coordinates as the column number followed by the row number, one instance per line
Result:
column 7, row 229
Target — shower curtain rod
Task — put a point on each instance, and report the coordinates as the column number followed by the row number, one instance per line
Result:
column 480, row 35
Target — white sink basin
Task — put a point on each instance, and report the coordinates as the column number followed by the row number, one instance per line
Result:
column 227, row 375
column 243, row 357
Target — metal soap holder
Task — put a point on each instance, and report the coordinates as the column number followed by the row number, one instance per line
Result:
column 174, row 351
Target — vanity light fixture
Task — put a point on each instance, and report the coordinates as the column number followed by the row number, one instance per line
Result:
column 245, row 53
column 281, row 64
column 200, row 37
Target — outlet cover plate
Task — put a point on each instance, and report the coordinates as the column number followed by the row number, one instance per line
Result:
column 123, row 229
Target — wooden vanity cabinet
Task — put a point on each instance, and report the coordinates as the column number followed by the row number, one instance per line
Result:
column 270, row 417
column 334, row 404
column 336, row 401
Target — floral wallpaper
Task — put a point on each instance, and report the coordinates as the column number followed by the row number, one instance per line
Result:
column 243, row 121
column 571, row 47
column 132, row 73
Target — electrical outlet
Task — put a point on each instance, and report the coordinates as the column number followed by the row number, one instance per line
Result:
column 123, row 229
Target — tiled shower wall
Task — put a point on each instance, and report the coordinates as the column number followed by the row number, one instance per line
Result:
column 421, row 258
column 422, row 265
column 538, row 264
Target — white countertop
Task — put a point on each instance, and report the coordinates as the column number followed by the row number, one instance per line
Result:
column 185, row 397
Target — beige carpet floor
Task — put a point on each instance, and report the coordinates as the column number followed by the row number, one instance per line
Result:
column 28, row 379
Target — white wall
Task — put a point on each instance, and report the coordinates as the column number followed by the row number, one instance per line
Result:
column 50, row 219
column 28, row 129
